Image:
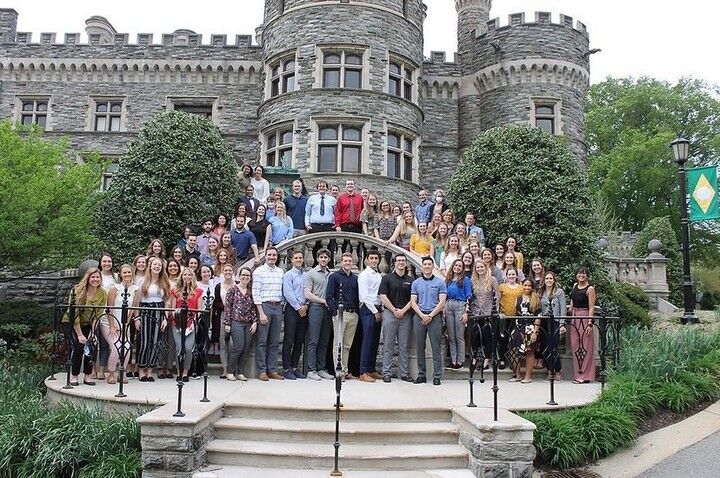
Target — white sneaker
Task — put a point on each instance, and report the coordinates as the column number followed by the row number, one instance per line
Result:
column 231, row 377
column 313, row 375
column 242, row 378
column 325, row 375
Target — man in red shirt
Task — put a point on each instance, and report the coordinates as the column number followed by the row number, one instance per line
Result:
column 347, row 214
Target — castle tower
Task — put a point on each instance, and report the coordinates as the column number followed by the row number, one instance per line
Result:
column 341, row 94
column 8, row 25
column 530, row 71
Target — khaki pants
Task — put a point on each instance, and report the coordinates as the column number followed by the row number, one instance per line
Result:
column 350, row 321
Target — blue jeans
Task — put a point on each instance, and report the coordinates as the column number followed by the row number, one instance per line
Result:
column 370, row 329
column 268, row 338
column 318, row 336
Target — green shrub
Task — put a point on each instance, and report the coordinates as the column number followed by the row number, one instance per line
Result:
column 635, row 294
column 126, row 465
column 177, row 170
column 707, row 281
column 557, row 439
column 661, row 228
column 539, row 196
column 616, row 302
column 604, row 428
column 38, row 319
column 634, row 394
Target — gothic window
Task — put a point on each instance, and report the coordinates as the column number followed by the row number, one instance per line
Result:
column 400, row 79
column 546, row 115
column 34, row 111
column 339, row 148
column 400, row 156
column 279, row 147
column 342, row 69
column 107, row 115
column 282, row 76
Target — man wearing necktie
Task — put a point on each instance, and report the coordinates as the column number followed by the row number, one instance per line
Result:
column 347, row 214
column 320, row 216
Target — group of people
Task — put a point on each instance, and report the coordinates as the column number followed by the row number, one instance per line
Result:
column 459, row 278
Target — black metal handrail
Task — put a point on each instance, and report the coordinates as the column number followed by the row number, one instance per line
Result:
column 121, row 316
column 495, row 330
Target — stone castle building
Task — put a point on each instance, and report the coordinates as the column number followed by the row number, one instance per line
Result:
column 334, row 88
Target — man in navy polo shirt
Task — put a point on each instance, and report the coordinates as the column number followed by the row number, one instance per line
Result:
column 243, row 241
column 427, row 299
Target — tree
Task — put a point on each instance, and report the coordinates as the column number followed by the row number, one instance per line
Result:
column 48, row 197
column 177, row 171
column 630, row 124
column 525, row 183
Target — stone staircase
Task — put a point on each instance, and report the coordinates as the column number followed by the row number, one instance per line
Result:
column 266, row 437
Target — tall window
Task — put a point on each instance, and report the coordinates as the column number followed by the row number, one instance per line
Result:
column 108, row 115
column 546, row 115
column 401, row 80
column 340, row 148
column 342, row 69
column 400, row 157
column 279, row 148
column 34, row 111
column 282, row 77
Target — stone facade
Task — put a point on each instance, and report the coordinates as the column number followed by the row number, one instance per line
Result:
column 305, row 74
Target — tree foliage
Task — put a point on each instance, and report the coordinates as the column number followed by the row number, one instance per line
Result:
column 525, row 183
column 48, row 196
column 630, row 124
column 177, row 170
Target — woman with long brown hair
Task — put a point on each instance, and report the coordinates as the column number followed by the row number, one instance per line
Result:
column 552, row 298
column 239, row 321
column 154, row 294
column 156, row 249
column 524, row 338
column 582, row 333
column 187, row 293
column 485, row 293
column 88, row 292
column 459, row 291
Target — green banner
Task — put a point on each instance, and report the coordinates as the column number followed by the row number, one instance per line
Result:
column 703, row 192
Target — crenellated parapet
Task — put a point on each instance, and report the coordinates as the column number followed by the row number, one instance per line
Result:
column 179, row 38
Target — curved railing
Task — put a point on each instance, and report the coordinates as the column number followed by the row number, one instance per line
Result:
column 356, row 242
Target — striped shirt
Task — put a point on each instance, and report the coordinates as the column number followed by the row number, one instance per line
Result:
column 267, row 285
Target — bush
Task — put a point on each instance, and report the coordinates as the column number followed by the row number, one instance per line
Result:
column 33, row 318
column 557, row 439
column 628, row 302
column 707, row 281
column 636, row 295
column 661, row 229
column 176, row 171
column 525, row 183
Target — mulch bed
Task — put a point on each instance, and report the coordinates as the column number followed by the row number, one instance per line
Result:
column 664, row 418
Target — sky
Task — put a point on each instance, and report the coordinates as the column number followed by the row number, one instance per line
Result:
column 658, row 38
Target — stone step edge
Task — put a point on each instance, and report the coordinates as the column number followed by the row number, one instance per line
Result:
column 346, row 427
column 348, row 451
column 331, row 408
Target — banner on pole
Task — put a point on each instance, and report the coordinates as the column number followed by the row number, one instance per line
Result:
column 703, row 191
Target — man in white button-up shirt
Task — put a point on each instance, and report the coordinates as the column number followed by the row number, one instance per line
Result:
column 370, row 317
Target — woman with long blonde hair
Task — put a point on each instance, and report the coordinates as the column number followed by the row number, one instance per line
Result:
column 485, row 293
column 110, row 325
column 152, row 295
column 187, row 293
column 404, row 231
column 88, row 292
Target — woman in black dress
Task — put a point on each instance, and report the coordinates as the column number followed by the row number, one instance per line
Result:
column 524, row 338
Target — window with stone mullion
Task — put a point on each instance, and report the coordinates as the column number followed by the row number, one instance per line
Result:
column 34, row 112
column 108, row 114
column 279, row 148
column 545, row 117
column 400, row 81
column 342, row 69
column 400, row 157
column 340, row 148
column 282, row 77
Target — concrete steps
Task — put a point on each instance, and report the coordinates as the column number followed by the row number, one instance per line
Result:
column 320, row 456
column 379, row 433
column 230, row 471
column 281, row 437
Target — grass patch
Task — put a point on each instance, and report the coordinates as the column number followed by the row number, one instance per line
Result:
column 673, row 369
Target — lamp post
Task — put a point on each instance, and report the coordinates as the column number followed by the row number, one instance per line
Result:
column 680, row 148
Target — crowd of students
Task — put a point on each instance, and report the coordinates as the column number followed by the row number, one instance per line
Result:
column 460, row 277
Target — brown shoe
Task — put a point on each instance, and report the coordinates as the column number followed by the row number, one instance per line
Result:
column 366, row 377
column 375, row 375
column 275, row 376
column 263, row 377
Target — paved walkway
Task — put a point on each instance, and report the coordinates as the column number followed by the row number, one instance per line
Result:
column 321, row 395
column 701, row 460
column 688, row 449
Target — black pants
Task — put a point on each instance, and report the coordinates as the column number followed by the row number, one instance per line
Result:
column 332, row 246
column 78, row 358
column 481, row 339
column 294, row 338
column 552, row 355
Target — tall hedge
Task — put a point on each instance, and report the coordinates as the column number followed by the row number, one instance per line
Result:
column 177, row 170
column 525, row 183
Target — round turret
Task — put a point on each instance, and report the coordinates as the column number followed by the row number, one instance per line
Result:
column 341, row 90
column 534, row 72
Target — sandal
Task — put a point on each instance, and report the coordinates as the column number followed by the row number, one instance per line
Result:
column 526, row 380
column 88, row 382
column 74, row 384
column 514, row 380
column 112, row 382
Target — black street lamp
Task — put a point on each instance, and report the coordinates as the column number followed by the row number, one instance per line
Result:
column 680, row 148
